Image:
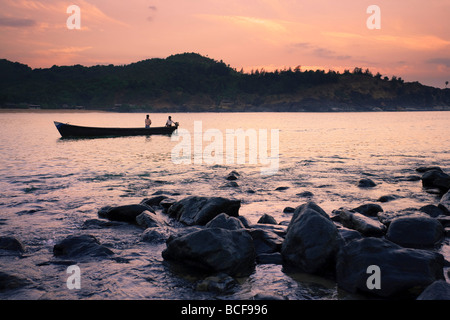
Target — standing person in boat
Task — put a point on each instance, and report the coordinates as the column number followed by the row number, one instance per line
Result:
column 169, row 122
column 148, row 122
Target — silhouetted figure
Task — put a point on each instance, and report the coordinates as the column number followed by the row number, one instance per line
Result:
column 169, row 122
column 148, row 122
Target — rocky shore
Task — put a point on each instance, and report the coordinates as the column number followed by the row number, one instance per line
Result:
column 207, row 235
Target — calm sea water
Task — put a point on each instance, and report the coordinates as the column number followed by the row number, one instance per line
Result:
column 50, row 186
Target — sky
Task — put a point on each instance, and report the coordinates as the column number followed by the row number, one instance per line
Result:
column 413, row 41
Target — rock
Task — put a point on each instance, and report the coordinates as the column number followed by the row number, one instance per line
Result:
column 311, row 241
column 233, row 175
column 431, row 210
column 387, row 217
column 436, row 179
column 79, row 246
column 148, row 219
column 11, row 282
column 224, row 221
column 200, row 210
column 349, row 234
column 369, row 209
column 425, row 169
column 127, row 213
column 387, row 198
column 281, row 188
column 267, row 219
column 288, row 210
column 167, row 203
column 404, row 272
column 11, row 244
column 155, row 235
column 415, row 232
column 444, row 204
column 266, row 241
column 305, row 194
column 438, row 290
column 366, row 183
column 365, row 225
column 214, row 250
column 244, row 221
column 269, row 258
column 219, row 283
column 153, row 202
column 100, row 224
column 278, row 229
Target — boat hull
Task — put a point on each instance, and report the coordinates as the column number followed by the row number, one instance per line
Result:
column 72, row 131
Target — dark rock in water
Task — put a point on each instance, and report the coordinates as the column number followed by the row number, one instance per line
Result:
column 415, row 232
column 224, row 221
column 219, row 283
column 11, row 244
column 278, row 229
column 425, row 169
column 411, row 178
column 281, row 188
column 288, row 210
column 305, row 194
column 266, row 241
column 311, row 241
column 444, row 204
column 269, row 258
column 387, row 198
column 268, row 219
column 431, row 210
column 11, row 282
column 366, row 183
column 369, row 209
column 100, row 224
column 149, row 219
column 155, row 201
column 231, row 184
column 167, row 203
column 200, row 210
column 233, row 175
column 361, row 223
column 438, row 290
column 387, row 217
column 155, row 235
column 404, row 273
column 79, row 246
column 214, row 250
column 436, row 179
column 127, row 213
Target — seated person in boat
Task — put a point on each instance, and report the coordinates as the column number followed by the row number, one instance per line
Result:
column 148, row 122
column 169, row 122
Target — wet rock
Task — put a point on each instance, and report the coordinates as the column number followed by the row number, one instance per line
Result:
column 438, row 290
column 149, row 219
column 288, row 210
column 431, row 210
column 200, row 210
column 415, row 232
column 224, row 221
column 155, row 235
column 219, row 283
column 268, row 219
column 244, row 221
column 366, row 183
column 233, row 175
column 349, row 234
column 281, row 188
column 127, row 213
column 11, row 244
column 365, row 225
column 11, row 282
column 387, row 217
column 278, row 229
column 429, row 168
column 311, row 241
column 153, row 202
column 79, row 246
column 266, row 241
column 100, row 224
column 167, row 203
column 369, row 209
column 405, row 273
column 387, row 198
column 305, row 194
column 436, row 179
column 214, row 250
column 444, row 204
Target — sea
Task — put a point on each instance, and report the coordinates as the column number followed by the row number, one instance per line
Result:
column 50, row 186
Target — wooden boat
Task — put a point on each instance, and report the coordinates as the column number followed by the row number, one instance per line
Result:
column 72, row 131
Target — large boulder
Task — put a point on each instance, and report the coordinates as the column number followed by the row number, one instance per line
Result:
column 365, row 225
column 438, row 290
column 11, row 244
column 149, row 219
column 444, row 204
column 311, row 241
column 402, row 272
column 81, row 246
column 436, row 179
column 224, row 221
column 214, row 250
column 200, row 210
column 415, row 231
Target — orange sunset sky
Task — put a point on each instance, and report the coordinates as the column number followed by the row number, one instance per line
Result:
column 413, row 42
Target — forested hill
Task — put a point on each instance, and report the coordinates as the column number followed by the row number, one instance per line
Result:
column 191, row 82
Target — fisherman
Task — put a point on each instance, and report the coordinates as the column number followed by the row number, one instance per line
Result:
column 148, row 122
column 169, row 122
